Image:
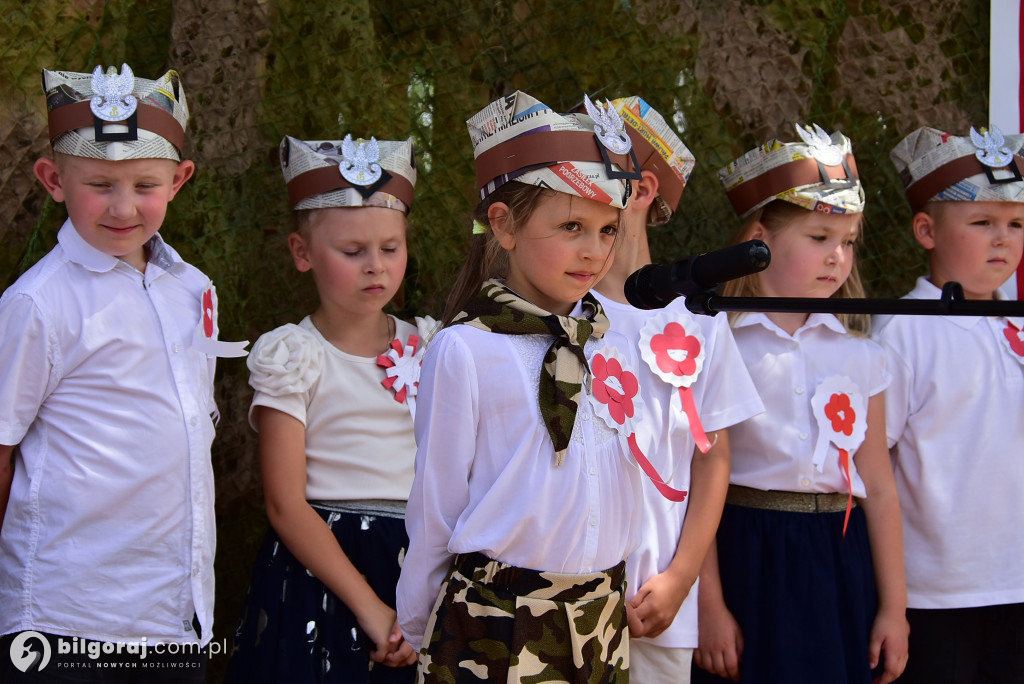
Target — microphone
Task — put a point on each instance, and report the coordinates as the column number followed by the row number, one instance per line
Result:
column 655, row 285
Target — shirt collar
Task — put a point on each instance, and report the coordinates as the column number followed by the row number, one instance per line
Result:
column 924, row 289
column 813, row 321
column 161, row 255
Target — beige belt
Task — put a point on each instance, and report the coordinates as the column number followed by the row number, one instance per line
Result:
column 794, row 502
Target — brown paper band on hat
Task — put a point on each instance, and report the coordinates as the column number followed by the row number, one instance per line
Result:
column 795, row 174
column 670, row 186
column 542, row 149
column 946, row 175
column 149, row 118
column 328, row 179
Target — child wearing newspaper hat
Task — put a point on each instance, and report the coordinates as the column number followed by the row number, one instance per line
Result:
column 108, row 346
column 953, row 412
column 334, row 403
column 805, row 582
column 524, row 506
column 696, row 385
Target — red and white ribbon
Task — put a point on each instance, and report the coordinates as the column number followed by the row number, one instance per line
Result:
column 841, row 412
column 615, row 396
column 673, row 347
column 204, row 338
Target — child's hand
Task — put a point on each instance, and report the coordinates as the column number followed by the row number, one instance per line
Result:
column 401, row 653
column 657, row 602
column 636, row 627
column 720, row 643
column 888, row 643
column 378, row 625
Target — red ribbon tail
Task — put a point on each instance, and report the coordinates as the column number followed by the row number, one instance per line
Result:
column 844, row 466
column 696, row 428
column 669, row 493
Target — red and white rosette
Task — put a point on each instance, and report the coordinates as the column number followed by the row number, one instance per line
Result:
column 672, row 345
column 204, row 339
column 841, row 412
column 402, row 363
column 1013, row 338
column 615, row 397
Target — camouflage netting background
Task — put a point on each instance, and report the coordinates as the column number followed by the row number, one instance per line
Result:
column 731, row 74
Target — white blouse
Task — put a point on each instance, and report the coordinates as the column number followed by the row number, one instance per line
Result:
column 486, row 478
column 774, row 450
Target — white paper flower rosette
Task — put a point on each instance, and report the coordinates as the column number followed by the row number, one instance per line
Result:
column 1013, row 339
column 615, row 398
column 204, row 338
column 286, row 360
column 841, row 411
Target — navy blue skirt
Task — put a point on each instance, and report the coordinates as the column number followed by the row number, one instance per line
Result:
column 803, row 595
column 294, row 629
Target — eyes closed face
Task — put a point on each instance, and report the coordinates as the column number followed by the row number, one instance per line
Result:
column 811, row 257
column 115, row 206
column 357, row 255
column 561, row 251
column 977, row 244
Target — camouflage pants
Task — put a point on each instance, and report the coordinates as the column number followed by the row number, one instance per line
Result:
column 497, row 623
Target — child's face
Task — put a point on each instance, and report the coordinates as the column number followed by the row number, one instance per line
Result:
column 357, row 256
column 812, row 256
column 116, row 206
column 561, row 251
column 977, row 244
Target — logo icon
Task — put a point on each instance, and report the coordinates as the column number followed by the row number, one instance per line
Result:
column 25, row 657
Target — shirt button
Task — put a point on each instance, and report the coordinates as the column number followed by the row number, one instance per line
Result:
column 804, row 435
column 805, row 482
column 593, row 470
column 176, row 348
column 593, row 522
column 193, row 421
column 799, row 390
column 586, row 416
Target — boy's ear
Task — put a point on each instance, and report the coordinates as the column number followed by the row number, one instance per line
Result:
column 182, row 173
column 758, row 233
column 497, row 216
column 300, row 252
column 48, row 173
column 923, row 226
column 644, row 190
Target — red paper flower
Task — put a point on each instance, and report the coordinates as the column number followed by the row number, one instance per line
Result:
column 675, row 351
column 841, row 413
column 1012, row 334
column 614, row 387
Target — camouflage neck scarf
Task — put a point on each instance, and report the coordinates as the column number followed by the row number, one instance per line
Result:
column 498, row 309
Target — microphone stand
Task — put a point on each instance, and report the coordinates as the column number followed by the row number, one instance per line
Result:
column 950, row 303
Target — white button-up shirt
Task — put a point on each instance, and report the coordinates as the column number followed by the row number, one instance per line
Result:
column 110, row 532
column 953, row 419
column 724, row 396
column 774, row 450
column 486, row 478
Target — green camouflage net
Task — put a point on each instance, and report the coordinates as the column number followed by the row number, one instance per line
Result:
column 728, row 74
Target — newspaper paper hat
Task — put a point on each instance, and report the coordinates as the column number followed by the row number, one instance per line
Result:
column 520, row 138
column 818, row 174
column 659, row 151
column 936, row 166
column 115, row 116
column 349, row 173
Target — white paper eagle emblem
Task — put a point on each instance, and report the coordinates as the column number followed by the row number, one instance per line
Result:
column 820, row 145
column 992, row 150
column 609, row 127
column 112, row 98
column 360, row 161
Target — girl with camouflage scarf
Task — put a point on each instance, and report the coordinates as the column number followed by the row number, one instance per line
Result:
column 524, row 504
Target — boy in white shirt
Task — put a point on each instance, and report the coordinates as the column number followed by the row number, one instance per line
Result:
column 661, row 607
column 953, row 413
column 109, row 344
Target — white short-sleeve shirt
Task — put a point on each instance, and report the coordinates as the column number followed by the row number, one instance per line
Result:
column 486, row 478
column 110, row 531
column 359, row 439
column 957, row 438
column 775, row 450
column 724, row 395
